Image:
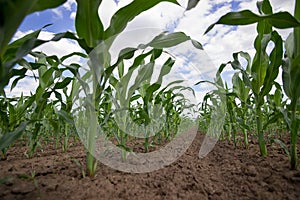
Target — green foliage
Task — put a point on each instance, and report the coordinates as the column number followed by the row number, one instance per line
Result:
column 125, row 96
column 14, row 11
column 126, row 14
column 88, row 24
column 279, row 20
column 260, row 75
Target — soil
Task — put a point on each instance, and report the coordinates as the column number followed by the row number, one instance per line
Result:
column 227, row 172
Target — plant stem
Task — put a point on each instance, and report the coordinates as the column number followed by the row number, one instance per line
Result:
column 244, row 130
column 294, row 121
column 90, row 160
column 261, row 141
column 245, row 138
column 66, row 137
column 294, row 138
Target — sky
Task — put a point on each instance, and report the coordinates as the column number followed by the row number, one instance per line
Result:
column 219, row 44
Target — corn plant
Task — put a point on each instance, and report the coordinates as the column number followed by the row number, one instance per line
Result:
column 291, row 77
column 242, row 92
column 14, row 119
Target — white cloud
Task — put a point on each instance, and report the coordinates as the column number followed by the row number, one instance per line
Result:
column 58, row 12
column 106, row 11
column 73, row 15
column 68, row 4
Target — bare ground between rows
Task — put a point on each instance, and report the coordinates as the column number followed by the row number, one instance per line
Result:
column 226, row 173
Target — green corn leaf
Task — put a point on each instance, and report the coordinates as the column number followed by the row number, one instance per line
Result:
column 236, row 65
column 127, row 53
column 12, row 14
column 18, row 72
column 150, row 90
column 290, row 46
column 10, row 137
column 45, row 96
column 34, row 65
column 242, row 123
column 166, row 68
column 121, row 69
column 47, row 78
column 278, row 97
column 83, row 44
column 286, row 78
column 63, row 84
column 295, row 79
column 135, row 97
column 46, row 4
column 273, row 67
column 113, row 81
column 58, row 96
column 260, row 63
column 286, row 65
column 24, row 106
column 283, row 146
column 239, row 87
column 126, row 14
column 15, row 82
column 218, row 79
column 245, row 17
column 25, row 44
column 125, row 79
column 156, row 54
column 170, row 84
column 279, row 20
column 87, row 22
column 82, row 55
column 12, row 113
column 264, row 7
column 166, row 40
column 145, row 72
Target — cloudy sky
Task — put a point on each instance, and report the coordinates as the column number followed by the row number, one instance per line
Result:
column 219, row 44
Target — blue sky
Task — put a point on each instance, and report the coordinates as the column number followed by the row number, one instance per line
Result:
column 59, row 18
column 219, row 44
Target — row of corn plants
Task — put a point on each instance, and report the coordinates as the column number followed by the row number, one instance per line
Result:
column 254, row 91
column 49, row 111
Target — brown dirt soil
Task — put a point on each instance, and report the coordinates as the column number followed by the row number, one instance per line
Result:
column 226, row 173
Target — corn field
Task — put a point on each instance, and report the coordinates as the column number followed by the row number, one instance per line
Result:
column 260, row 110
